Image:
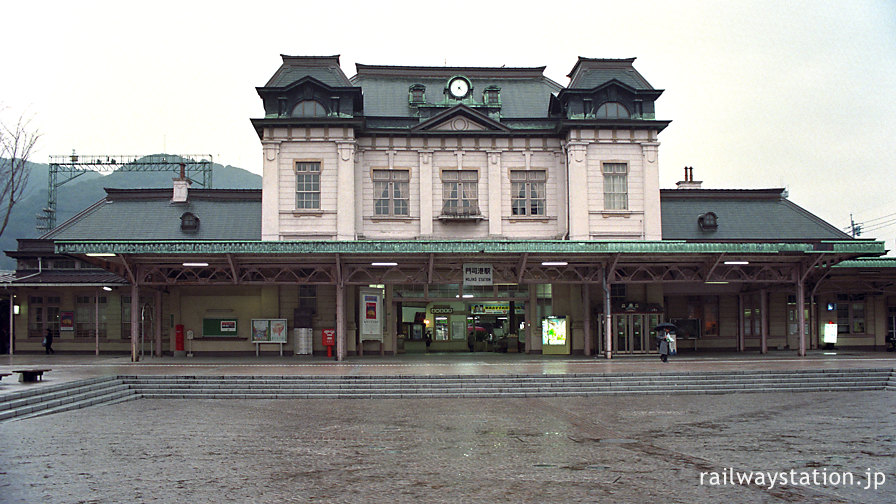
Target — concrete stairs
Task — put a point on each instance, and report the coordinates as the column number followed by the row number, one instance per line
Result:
column 45, row 400
column 504, row 386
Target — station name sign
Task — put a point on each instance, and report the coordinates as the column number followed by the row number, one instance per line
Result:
column 477, row 274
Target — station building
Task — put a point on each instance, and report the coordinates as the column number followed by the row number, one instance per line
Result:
column 451, row 209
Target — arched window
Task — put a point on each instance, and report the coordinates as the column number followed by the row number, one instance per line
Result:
column 189, row 222
column 613, row 110
column 309, row 108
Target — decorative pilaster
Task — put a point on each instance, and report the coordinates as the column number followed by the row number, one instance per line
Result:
column 270, row 196
column 495, row 191
column 653, row 228
column 345, row 189
column 577, row 168
column 426, row 188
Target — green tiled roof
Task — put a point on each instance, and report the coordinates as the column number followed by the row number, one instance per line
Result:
column 149, row 214
column 520, row 97
column 742, row 215
column 323, row 68
column 590, row 73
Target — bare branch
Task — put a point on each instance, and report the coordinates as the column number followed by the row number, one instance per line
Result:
column 16, row 144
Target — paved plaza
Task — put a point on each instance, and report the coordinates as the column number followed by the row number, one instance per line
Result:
column 806, row 447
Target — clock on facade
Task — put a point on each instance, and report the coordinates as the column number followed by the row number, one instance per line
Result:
column 458, row 87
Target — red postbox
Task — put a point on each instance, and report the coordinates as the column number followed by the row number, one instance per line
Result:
column 328, row 338
column 179, row 338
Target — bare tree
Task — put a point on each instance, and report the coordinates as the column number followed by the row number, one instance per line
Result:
column 16, row 144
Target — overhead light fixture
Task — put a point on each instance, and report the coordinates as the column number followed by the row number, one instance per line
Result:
column 196, row 264
column 384, row 264
column 555, row 263
column 716, row 283
column 737, row 262
column 107, row 288
column 100, row 254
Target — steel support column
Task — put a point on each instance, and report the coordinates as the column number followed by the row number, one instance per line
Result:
column 740, row 323
column 763, row 306
column 135, row 327
column 586, row 302
column 340, row 322
column 801, row 314
column 608, row 316
column 157, row 314
column 96, row 320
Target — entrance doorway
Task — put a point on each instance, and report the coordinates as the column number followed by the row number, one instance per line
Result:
column 632, row 333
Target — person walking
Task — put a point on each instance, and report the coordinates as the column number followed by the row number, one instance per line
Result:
column 48, row 342
column 663, row 336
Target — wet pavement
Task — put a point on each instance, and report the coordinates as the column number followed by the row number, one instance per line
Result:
column 829, row 447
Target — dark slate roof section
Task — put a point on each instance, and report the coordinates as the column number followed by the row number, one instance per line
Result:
column 525, row 92
column 589, row 73
column 742, row 214
column 323, row 68
column 149, row 214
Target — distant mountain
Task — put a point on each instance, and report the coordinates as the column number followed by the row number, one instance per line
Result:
column 87, row 189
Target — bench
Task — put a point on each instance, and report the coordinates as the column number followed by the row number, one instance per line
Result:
column 31, row 375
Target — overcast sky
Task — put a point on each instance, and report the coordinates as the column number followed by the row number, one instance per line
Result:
column 795, row 94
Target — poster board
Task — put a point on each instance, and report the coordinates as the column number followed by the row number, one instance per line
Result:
column 269, row 331
column 555, row 338
column 371, row 315
column 67, row 321
column 220, row 328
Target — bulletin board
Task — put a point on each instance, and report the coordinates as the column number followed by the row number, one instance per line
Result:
column 269, row 330
column 220, row 328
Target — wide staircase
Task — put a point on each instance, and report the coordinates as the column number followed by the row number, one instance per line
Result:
column 65, row 397
column 47, row 399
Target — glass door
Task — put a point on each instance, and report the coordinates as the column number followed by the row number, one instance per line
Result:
column 621, row 330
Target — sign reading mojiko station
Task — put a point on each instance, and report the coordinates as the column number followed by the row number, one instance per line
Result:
column 477, row 274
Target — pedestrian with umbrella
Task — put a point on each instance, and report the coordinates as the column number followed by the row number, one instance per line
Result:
column 665, row 335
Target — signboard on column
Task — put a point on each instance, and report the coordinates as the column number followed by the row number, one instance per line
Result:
column 371, row 315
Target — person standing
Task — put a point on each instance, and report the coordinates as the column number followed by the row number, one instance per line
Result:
column 48, row 342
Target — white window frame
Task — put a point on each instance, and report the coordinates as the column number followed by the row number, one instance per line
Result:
column 460, row 193
column 615, row 185
column 532, row 185
column 391, row 193
column 307, row 185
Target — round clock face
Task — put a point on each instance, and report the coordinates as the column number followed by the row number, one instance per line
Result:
column 458, row 87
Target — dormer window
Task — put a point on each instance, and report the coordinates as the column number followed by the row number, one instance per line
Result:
column 708, row 222
column 189, row 223
column 309, row 108
column 492, row 96
column 613, row 110
column 417, row 94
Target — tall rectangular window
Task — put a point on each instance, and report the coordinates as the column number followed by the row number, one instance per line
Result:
column 850, row 314
column 527, row 192
column 752, row 317
column 460, row 192
column 307, row 185
column 390, row 192
column 86, row 310
column 615, row 186
column 43, row 314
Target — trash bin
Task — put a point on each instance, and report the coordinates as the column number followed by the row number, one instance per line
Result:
column 302, row 337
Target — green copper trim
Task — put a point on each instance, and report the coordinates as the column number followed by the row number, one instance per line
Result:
column 871, row 248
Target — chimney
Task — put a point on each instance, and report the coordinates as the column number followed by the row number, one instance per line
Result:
column 688, row 182
column 181, row 187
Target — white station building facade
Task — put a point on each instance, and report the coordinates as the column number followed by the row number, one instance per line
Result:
column 459, row 209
